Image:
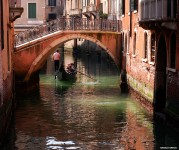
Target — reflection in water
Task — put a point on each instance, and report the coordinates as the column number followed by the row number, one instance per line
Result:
column 86, row 114
column 52, row 143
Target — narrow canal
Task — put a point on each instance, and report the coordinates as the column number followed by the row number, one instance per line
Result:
column 89, row 113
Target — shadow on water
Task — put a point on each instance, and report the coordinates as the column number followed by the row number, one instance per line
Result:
column 9, row 143
column 166, row 135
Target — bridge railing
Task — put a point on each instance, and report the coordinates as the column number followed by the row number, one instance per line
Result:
column 62, row 24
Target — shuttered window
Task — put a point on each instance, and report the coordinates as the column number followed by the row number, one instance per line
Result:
column 32, row 10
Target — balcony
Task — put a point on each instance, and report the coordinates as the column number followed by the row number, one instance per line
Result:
column 75, row 12
column 154, row 13
column 92, row 9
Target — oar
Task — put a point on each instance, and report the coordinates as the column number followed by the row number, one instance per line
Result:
column 86, row 75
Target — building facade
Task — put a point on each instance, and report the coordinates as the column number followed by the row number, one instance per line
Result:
column 8, row 13
column 150, row 51
column 38, row 12
column 136, row 51
column 161, row 17
column 34, row 14
column 162, row 20
column 54, row 9
column 113, row 9
column 83, row 8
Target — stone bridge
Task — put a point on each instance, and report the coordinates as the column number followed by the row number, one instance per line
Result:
column 34, row 46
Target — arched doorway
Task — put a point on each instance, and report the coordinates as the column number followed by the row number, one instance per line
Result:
column 160, row 76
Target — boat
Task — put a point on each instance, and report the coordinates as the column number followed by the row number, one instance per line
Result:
column 68, row 74
column 71, row 76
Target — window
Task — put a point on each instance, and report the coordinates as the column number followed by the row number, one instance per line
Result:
column 152, row 59
column 134, row 44
column 122, row 7
column 52, row 16
column 1, row 25
column 76, row 3
column 125, row 44
column 101, row 7
column 145, row 45
column 172, row 8
column 173, row 51
column 51, row 2
column 32, row 10
column 128, row 42
column 175, row 6
column 84, row 3
column 133, row 4
column 122, row 41
column 169, row 8
column 88, row 2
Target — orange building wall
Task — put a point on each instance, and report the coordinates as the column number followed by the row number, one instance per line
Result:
column 6, row 75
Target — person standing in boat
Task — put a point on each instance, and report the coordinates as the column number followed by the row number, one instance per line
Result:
column 56, row 59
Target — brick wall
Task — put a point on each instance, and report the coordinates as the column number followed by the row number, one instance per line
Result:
column 6, row 108
column 5, row 77
column 143, row 75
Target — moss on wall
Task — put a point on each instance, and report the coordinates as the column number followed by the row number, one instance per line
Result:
column 141, row 88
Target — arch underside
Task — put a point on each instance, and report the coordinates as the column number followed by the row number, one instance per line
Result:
column 39, row 61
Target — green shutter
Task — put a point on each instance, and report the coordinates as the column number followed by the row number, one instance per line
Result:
column 32, row 10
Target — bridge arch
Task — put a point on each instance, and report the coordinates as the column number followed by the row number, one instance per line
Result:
column 41, row 58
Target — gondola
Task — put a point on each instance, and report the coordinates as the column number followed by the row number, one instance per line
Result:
column 70, row 76
column 66, row 75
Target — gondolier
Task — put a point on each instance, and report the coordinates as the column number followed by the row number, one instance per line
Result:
column 56, row 59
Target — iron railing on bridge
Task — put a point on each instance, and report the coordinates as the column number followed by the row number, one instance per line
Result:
column 62, row 24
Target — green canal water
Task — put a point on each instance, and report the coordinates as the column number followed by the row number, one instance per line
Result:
column 87, row 114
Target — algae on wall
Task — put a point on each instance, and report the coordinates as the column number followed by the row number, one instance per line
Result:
column 141, row 88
